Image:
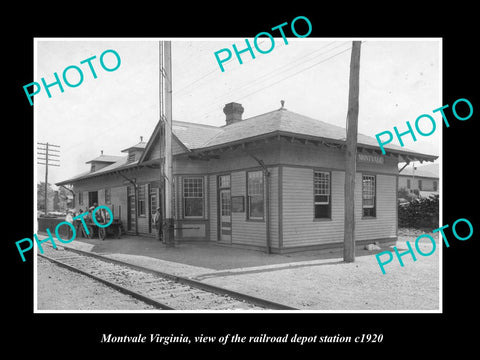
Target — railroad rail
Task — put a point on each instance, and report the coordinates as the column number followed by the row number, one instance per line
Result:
column 159, row 289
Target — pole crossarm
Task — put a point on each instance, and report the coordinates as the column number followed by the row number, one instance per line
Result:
column 49, row 160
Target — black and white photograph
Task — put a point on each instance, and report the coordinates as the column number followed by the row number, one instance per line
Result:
column 189, row 183
column 226, row 181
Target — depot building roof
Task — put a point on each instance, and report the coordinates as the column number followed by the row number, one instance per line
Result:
column 206, row 139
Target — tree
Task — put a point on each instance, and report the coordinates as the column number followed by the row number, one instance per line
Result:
column 41, row 195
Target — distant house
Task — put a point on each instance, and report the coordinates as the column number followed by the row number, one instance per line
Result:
column 274, row 180
column 419, row 181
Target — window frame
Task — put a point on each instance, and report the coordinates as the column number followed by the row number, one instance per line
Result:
column 249, row 217
column 374, row 206
column 184, row 198
column 329, row 203
column 108, row 199
column 222, row 186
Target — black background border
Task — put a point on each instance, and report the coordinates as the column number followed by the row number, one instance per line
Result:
column 407, row 333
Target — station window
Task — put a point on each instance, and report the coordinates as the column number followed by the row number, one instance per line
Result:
column 255, row 195
column 224, row 181
column 369, row 195
column 108, row 196
column 193, row 197
column 80, row 198
column 321, row 194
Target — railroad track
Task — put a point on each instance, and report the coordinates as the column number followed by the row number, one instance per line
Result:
column 162, row 290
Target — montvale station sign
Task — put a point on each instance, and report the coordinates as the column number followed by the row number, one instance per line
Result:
column 369, row 158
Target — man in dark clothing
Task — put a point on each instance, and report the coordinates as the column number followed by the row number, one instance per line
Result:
column 157, row 223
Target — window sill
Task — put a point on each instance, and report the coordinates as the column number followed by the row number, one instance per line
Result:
column 255, row 220
column 368, row 217
column 321, row 219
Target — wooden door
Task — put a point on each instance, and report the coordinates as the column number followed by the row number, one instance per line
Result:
column 225, row 209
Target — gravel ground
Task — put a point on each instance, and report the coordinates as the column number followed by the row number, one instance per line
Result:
column 331, row 284
column 334, row 285
column 308, row 281
column 61, row 289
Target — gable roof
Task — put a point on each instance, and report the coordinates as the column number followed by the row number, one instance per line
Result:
column 141, row 145
column 120, row 164
column 194, row 136
column 105, row 159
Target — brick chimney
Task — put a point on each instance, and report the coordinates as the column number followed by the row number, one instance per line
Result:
column 233, row 112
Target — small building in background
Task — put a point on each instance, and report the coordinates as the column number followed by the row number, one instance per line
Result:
column 422, row 181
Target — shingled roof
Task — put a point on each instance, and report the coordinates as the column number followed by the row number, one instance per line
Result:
column 284, row 121
column 194, row 136
column 281, row 122
column 105, row 159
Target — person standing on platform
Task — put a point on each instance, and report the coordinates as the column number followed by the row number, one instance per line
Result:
column 157, row 222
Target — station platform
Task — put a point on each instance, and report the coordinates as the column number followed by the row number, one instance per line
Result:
column 192, row 259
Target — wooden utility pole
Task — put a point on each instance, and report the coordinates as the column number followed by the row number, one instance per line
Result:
column 166, row 118
column 50, row 160
column 351, row 154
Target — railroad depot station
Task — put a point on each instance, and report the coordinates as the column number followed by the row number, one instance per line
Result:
column 274, row 181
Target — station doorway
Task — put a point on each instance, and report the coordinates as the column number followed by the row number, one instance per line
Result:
column 92, row 198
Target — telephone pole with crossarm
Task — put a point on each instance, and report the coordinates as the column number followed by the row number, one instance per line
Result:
column 50, row 154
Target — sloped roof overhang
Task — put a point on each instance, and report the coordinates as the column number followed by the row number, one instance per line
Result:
column 402, row 155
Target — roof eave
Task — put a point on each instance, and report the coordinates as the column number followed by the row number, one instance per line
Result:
column 100, row 173
column 405, row 154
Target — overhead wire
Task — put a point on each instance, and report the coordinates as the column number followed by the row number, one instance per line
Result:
column 296, row 73
column 228, row 96
column 213, row 71
column 265, row 76
column 217, row 101
column 287, row 67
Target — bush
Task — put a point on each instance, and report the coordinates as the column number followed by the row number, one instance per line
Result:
column 419, row 213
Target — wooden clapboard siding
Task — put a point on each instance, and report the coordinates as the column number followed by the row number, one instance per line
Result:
column 176, row 197
column 186, row 166
column 101, row 196
column 142, row 224
column 245, row 232
column 299, row 226
column 176, row 147
column 274, row 206
column 179, row 196
column 384, row 225
column 119, row 203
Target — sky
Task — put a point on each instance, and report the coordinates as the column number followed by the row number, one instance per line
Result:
column 400, row 79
